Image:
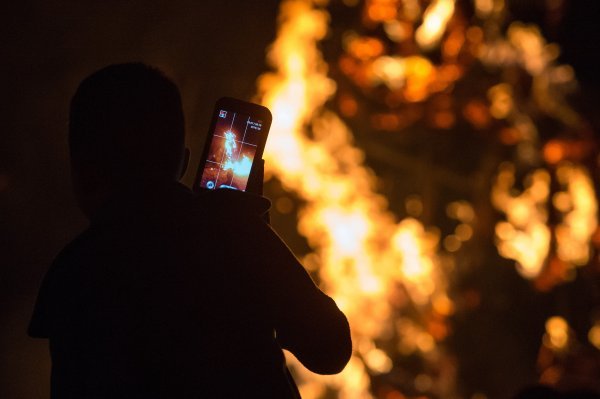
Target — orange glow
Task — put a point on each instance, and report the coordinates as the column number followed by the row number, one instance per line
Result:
column 348, row 106
column 477, row 113
column 414, row 74
column 387, row 121
column 444, row 120
column 362, row 252
column 420, row 74
column 531, row 47
column 557, row 333
column 364, row 48
column 484, row 7
column 381, row 10
column 594, row 335
column 524, row 237
column 501, row 99
column 579, row 222
column 554, row 152
column 454, row 43
column 435, row 19
column 374, row 265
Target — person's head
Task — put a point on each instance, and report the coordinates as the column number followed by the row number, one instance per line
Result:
column 126, row 125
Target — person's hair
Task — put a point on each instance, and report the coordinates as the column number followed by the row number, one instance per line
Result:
column 127, row 121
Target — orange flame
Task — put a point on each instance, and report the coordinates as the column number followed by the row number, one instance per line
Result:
column 367, row 260
column 580, row 209
column 364, row 255
column 435, row 19
column 524, row 237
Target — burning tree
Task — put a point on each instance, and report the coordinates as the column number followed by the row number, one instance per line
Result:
column 487, row 94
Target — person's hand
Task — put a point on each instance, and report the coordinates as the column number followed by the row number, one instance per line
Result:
column 256, row 178
column 255, row 184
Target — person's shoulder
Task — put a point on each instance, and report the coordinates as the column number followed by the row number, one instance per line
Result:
column 67, row 264
column 72, row 250
column 235, row 201
column 55, row 287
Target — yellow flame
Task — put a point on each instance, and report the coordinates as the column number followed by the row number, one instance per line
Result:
column 524, row 236
column 531, row 48
column 484, row 7
column 361, row 253
column 364, row 255
column 557, row 333
column 573, row 235
column 594, row 335
column 435, row 19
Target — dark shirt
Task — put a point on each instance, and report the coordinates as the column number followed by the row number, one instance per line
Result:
column 172, row 295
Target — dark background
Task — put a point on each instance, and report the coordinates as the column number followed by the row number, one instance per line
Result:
column 210, row 49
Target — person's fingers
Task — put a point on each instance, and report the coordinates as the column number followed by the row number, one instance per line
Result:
column 256, row 178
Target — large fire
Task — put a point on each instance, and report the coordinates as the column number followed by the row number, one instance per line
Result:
column 378, row 268
column 365, row 256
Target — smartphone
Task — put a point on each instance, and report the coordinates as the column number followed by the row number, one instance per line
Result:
column 235, row 143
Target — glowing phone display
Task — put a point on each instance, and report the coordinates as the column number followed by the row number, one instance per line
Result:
column 236, row 140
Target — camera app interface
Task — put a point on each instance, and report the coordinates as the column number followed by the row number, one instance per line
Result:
column 231, row 151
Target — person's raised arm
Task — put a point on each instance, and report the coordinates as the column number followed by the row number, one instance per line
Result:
column 307, row 322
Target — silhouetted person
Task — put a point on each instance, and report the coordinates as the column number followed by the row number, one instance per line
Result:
column 169, row 294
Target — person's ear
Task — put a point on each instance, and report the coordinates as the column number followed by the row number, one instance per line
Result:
column 184, row 162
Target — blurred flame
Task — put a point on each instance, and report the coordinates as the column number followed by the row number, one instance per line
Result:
column 484, row 7
column 371, row 264
column 531, row 47
column 435, row 19
column 580, row 218
column 364, row 255
column 414, row 74
column 594, row 335
column 382, row 10
column 524, row 236
column 557, row 333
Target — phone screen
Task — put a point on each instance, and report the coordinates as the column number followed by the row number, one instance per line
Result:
column 235, row 141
